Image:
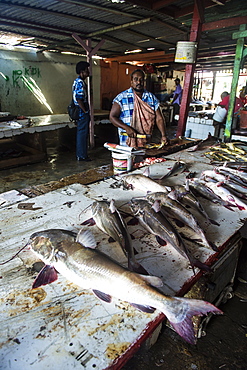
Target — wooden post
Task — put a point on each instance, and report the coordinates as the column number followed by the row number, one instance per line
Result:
column 195, row 34
column 90, row 52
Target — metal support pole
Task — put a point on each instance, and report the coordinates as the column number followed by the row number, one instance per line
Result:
column 236, row 70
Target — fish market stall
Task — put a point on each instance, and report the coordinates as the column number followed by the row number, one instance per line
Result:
column 70, row 325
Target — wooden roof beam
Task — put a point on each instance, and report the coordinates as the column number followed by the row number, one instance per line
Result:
column 190, row 9
column 228, row 22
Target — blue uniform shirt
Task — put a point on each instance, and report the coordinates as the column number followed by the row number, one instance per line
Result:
column 79, row 91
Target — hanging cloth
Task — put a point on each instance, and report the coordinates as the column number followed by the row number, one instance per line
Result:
column 143, row 120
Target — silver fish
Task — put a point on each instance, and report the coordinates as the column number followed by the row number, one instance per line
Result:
column 143, row 183
column 109, row 220
column 156, row 223
column 173, row 208
column 186, row 197
column 90, row 269
column 177, row 168
column 206, row 143
column 199, row 186
column 227, row 182
column 226, row 195
column 236, row 176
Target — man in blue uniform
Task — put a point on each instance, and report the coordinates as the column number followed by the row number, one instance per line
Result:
column 80, row 97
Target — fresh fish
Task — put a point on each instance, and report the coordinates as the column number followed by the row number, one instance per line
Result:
column 143, row 183
column 173, row 208
column 186, row 197
column 206, row 143
column 226, row 181
column 90, row 269
column 156, row 223
column 109, row 220
column 226, row 195
column 236, row 176
column 199, row 186
column 177, row 168
column 241, row 166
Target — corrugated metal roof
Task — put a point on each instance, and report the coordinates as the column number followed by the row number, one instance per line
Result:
column 129, row 25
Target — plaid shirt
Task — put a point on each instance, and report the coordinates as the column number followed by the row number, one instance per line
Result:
column 126, row 102
column 79, row 91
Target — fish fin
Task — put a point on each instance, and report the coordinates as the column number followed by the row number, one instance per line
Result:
column 146, row 309
column 47, row 275
column 213, row 222
column 86, row 238
column 89, row 222
column 111, row 240
column 112, row 206
column 160, row 240
column 146, row 172
column 133, row 221
column 213, row 246
column 201, row 265
column 173, row 195
column 153, row 280
column 229, row 207
column 136, row 267
column 179, row 223
column 184, row 309
column 102, row 296
column 156, row 205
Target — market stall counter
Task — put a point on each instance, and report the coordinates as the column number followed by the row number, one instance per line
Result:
column 22, row 140
column 70, row 325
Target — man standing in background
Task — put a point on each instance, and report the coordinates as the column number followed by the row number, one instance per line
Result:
column 80, row 97
column 177, row 96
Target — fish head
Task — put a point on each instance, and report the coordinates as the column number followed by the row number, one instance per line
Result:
column 42, row 247
column 138, row 205
column 97, row 207
column 152, row 197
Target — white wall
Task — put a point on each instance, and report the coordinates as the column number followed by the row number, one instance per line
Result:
column 54, row 74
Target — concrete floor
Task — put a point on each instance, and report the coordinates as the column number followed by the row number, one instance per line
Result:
column 225, row 343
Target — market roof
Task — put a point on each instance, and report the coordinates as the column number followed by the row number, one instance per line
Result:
column 153, row 27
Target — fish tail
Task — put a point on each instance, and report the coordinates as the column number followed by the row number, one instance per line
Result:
column 201, row 265
column 213, row 222
column 184, row 310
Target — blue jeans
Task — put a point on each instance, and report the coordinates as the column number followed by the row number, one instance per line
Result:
column 82, row 136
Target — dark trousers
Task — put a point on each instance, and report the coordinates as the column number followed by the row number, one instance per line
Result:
column 82, row 136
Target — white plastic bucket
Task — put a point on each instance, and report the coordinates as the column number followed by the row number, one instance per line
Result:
column 121, row 162
column 220, row 114
column 186, row 52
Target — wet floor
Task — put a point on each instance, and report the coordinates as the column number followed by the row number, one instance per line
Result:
column 225, row 344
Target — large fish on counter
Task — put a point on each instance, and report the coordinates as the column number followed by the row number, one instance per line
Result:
column 109, row 220
column 199, row 186
column 206, row 143
column 171, row 207
column 183, row 194
column 143, row 183
column 177, row 168
column 91, row 269
column 156, row 223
